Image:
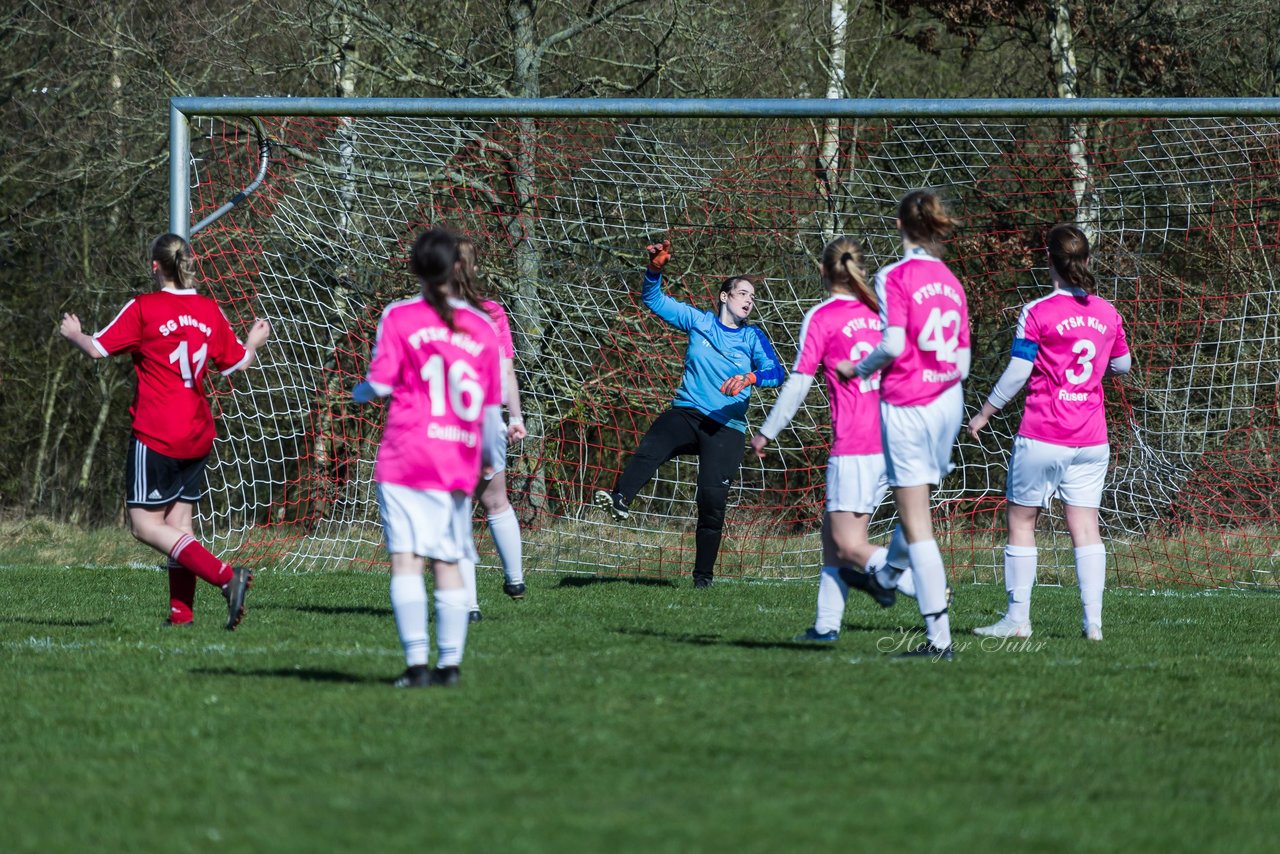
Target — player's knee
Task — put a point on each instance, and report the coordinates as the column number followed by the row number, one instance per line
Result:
column 711, row 506
column 494, row 501
column 141, row 531
column 847, row 553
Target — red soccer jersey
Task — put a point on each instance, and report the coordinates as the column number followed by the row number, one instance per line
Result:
column 173, row 336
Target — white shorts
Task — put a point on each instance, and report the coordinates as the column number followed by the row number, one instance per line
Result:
column 918, row 439
column 501, row 464
column 856, row 483
column 1040, row 472
column 430, row 523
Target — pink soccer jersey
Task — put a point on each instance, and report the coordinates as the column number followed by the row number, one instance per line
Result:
column 441, row 380
column 834, row 330
column 506, row 347
column 1075, row 336
column 919, row 294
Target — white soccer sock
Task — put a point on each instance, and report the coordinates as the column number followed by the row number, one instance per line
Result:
column 1019, row 578
column 505, row 529
column 468, row 570
column 893, row 571
column 409, row 603
column 832, row 595
column 931, row 589
column 876, row 562
column 451, row 626
column 1091, row 570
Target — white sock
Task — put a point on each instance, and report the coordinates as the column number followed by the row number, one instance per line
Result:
column 893, row 572
column 1091, row 570
column 1019, row 578
column 906, row 582
column 468, row 570
column 832, row 595
column 409, row 602
column 876, row 562
column 505, row 529
column 451, row 626
column 931, row 591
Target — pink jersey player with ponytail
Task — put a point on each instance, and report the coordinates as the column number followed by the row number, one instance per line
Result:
column 1064, row 344
column 437, row 359
column 844, row 327
column 922, row 360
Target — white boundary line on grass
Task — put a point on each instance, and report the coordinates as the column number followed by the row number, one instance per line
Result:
column 50, row 644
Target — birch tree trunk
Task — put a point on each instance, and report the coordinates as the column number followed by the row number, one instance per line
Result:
column 332, row 394
column 1062, row 52
column 828, row 171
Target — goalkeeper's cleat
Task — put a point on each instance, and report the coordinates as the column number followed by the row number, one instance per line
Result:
column 870, row 585
column 928, row 650
column 414, row 676
column 702, row 582
column 235, row 590
column 1005, row 628
column 474, row 616
column 1092, row 632
column 446, row 677
column 612, row 503
column 514, row 590
column 812, row 634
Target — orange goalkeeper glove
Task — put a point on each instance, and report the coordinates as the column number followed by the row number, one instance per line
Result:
column 659, row 255
column 735, row 384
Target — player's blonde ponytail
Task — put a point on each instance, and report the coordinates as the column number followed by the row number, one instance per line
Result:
column 177, row 264
column 844, row 268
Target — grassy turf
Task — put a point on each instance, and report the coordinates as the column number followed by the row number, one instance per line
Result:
column 606, row 715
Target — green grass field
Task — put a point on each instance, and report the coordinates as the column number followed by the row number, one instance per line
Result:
column 604, row 715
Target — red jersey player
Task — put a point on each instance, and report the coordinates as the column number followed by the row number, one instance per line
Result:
column 174, row 335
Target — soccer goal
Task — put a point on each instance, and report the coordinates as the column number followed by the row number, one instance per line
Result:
column 1182, row 198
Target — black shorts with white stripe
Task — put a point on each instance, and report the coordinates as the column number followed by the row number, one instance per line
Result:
column 155, row 480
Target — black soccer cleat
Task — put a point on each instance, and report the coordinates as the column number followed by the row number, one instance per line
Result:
column 414, row 676
column 612, row 503
column 812, row 635
column 702, row 582
column 514, row 590
column 928, row 650
column 235, row 590
column 474, row 616
column 445, row 677
column 870, row 585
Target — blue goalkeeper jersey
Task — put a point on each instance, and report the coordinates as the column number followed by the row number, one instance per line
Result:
column 716, row 352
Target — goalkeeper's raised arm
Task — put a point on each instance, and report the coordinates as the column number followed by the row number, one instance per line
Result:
column 724, row 358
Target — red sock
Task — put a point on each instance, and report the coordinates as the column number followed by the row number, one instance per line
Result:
column 182, row 593
column 199, row 560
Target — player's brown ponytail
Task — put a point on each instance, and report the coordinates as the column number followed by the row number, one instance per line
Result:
column 467, row 276
column 925, row 221
column 433, row 260
column 843, row 266
column 1069, row 255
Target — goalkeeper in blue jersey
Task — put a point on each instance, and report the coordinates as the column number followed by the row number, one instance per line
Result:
column 726, row 356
